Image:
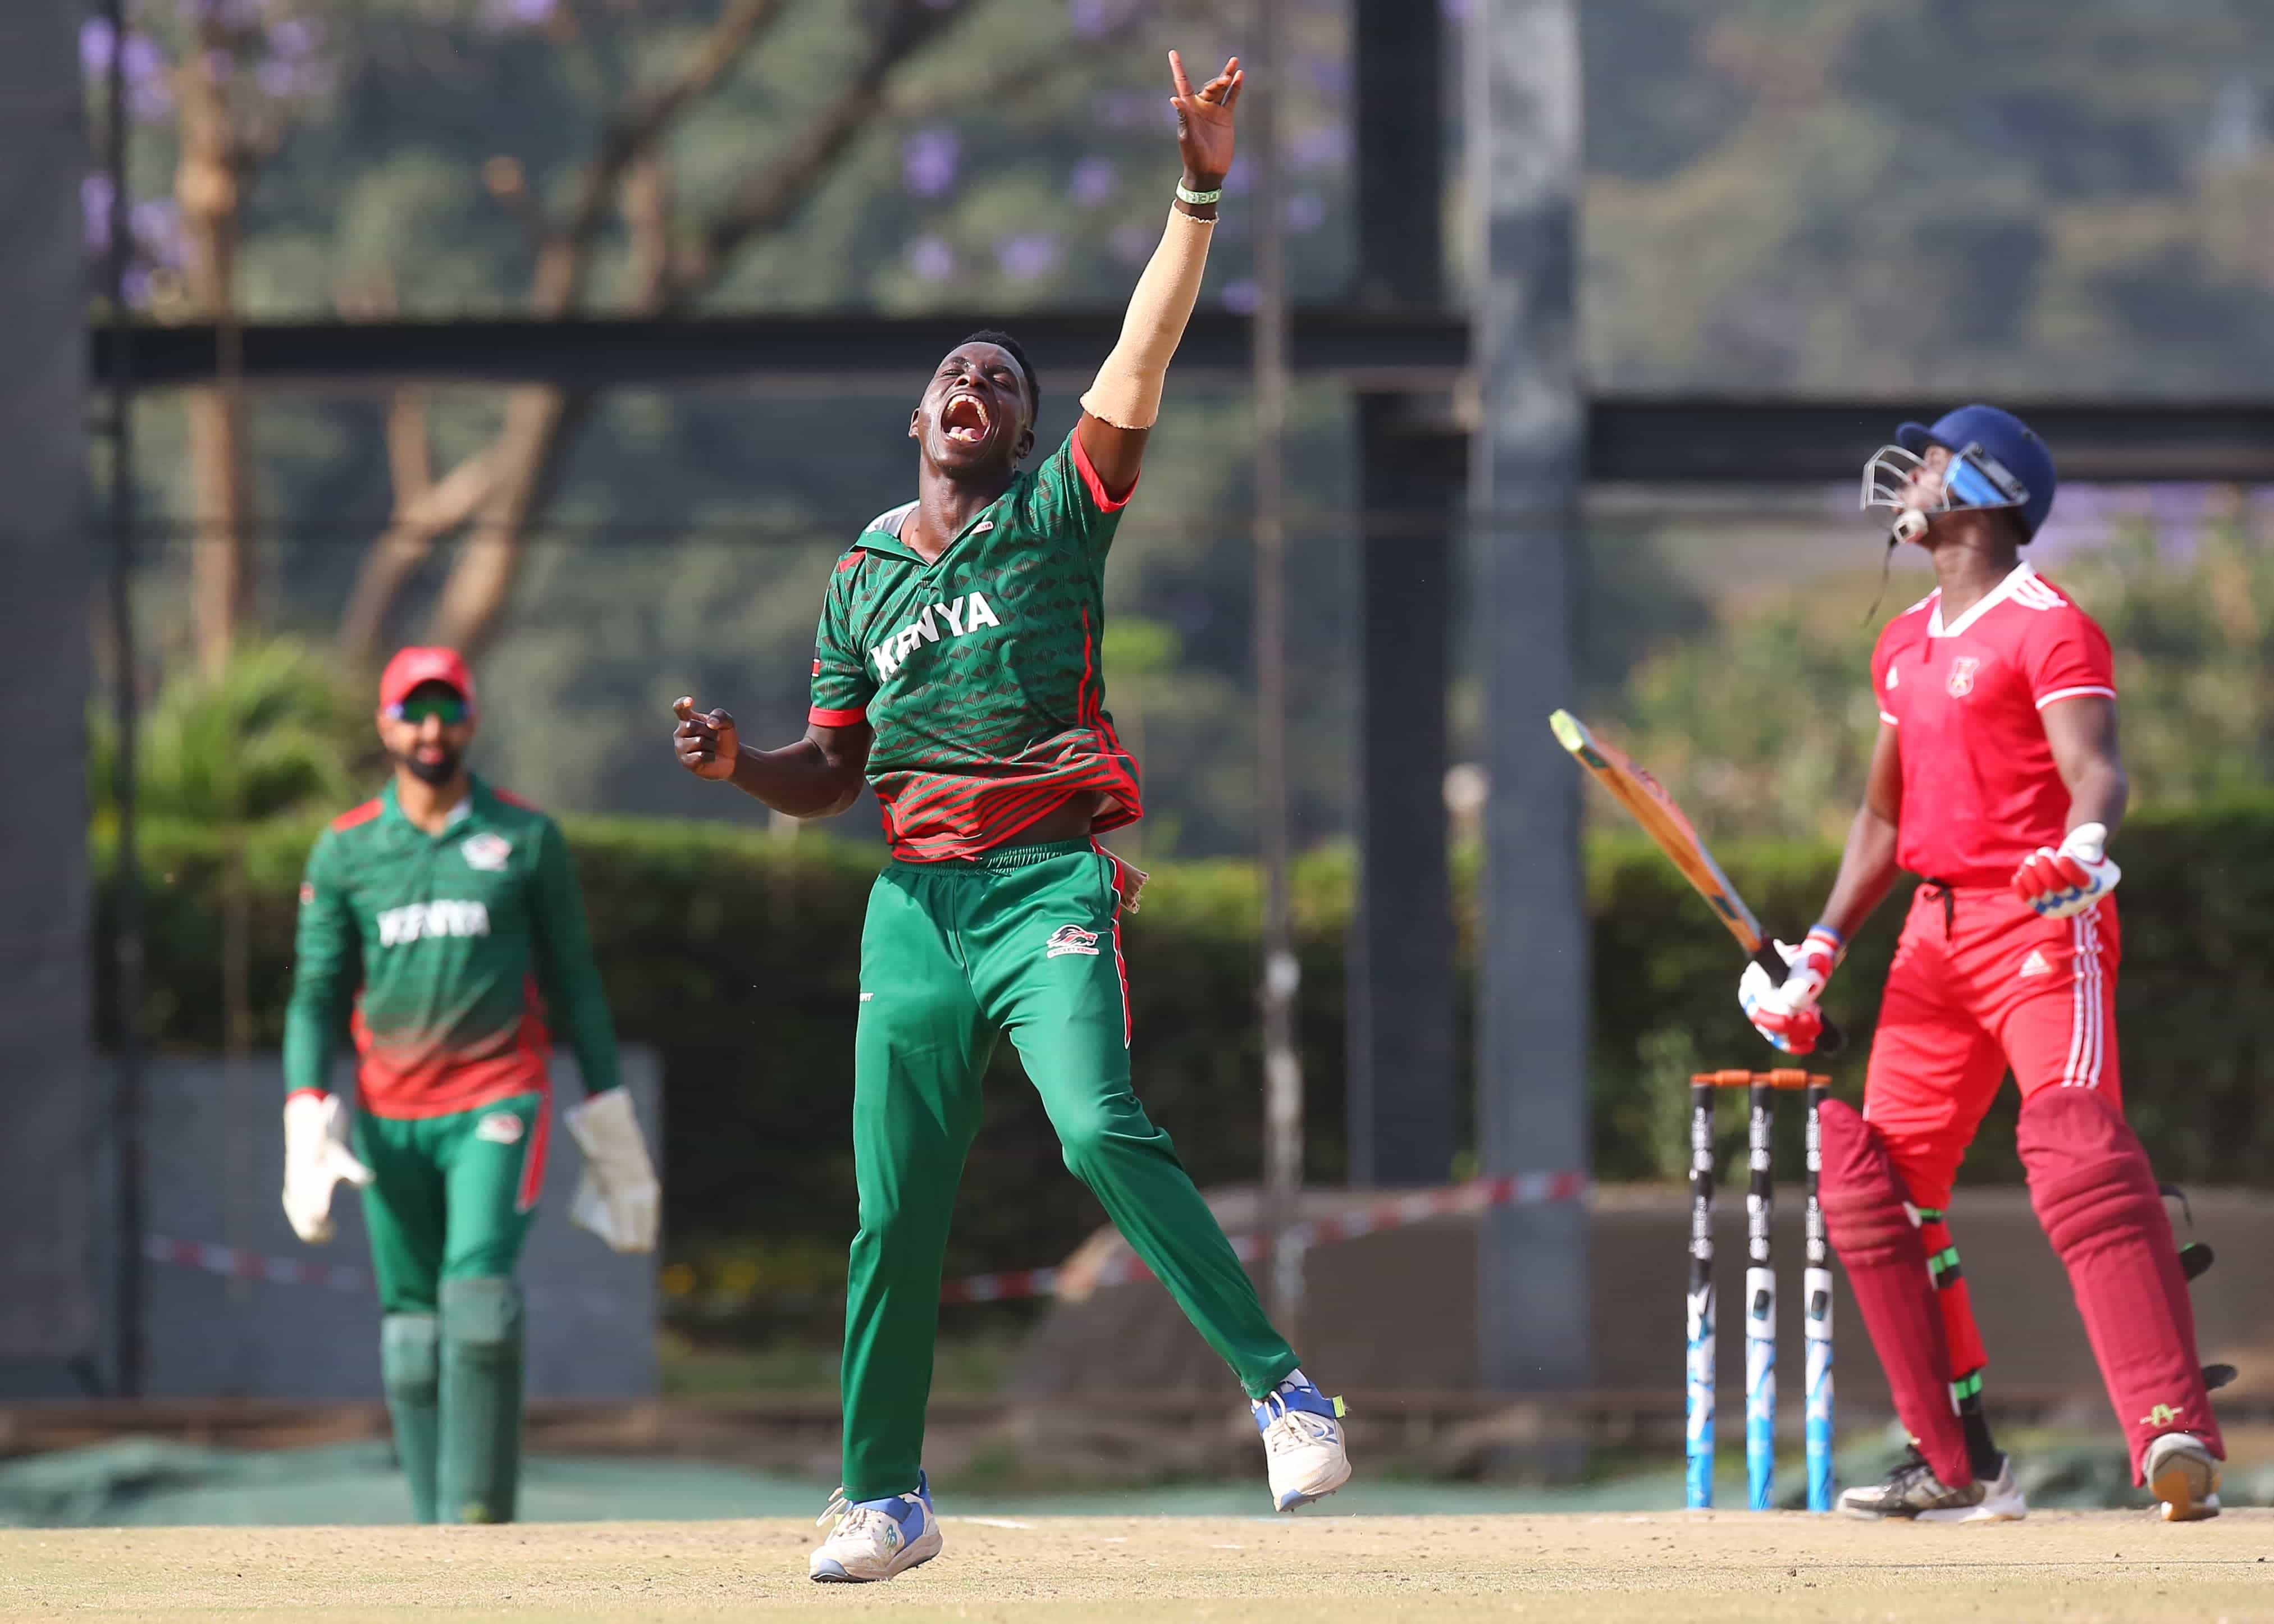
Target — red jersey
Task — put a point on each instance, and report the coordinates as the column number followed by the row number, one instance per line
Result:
column 1980, row 788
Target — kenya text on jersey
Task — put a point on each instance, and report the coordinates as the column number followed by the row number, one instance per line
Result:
column 961, row 617
column 397, row 925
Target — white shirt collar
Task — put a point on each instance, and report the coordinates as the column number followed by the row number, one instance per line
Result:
column 1989, row 601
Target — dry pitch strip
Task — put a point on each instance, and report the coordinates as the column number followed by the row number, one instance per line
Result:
column 1690, row 1566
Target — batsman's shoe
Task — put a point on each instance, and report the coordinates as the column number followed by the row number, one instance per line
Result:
column 875, row 1539
column 2184, row 1476
column 1303, row 1448
column 1912, row 1491
column 2002, row 1500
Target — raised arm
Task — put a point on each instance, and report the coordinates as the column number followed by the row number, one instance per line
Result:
column 1120, row 407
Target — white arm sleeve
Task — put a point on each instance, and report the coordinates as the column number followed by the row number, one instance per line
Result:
column 1127, row 393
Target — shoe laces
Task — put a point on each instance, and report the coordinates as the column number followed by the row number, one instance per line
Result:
column 852, row 1519
column 1294, row 1429
column 1911, row 1469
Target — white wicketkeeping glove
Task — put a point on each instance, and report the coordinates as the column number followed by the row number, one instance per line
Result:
column 316, row 1157
column 619, row 1199
column 2060, row 884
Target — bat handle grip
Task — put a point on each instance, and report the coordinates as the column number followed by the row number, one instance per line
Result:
column 1830, row 1040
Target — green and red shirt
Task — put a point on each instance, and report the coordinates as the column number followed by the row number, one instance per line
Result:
column 979, row 671
column 445, row 954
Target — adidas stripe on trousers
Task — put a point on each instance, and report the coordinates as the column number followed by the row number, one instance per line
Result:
column 1977, row 986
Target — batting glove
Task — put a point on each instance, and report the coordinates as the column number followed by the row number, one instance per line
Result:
column 316, row 1157
column 1784, row 1013
column 619, row 1199
column 2058, row 883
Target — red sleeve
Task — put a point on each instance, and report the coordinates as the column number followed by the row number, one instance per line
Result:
column 1882, row 656
column 1091, row 483
column 2069, row 659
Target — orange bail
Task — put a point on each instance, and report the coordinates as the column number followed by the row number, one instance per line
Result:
column 1747, row 1079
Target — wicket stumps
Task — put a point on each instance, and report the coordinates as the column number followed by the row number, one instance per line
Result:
column 1760, row 1292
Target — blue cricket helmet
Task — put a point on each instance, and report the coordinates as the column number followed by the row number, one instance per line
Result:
column 2012, row 444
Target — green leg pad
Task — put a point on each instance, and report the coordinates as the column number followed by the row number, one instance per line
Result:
column 410, row 1371
column 479, row 1469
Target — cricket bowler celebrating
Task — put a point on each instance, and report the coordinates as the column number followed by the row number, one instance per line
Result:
column 447, row 913
column 1995, row 779
column 957, row 668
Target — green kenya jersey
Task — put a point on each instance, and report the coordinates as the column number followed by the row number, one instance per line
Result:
column 979, row 671
column 444, row 952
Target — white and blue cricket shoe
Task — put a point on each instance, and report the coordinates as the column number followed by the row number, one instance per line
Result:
column 876, row 1539
column 1303, row 1448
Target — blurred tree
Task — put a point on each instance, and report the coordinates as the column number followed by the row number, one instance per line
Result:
column 499, row 489
column 268, row 735
column 232, row 76
column 1138, row 651
column 2193, row 632
column 1851, row 195
column 271, row 735
column 1877, row 194
column 1762, row 726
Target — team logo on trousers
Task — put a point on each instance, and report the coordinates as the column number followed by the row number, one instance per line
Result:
column 1071, row 939
column 1962, row 675
column 500, row 1128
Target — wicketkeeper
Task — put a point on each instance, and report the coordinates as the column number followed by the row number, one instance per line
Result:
column 1995, row 777
column 442, row 919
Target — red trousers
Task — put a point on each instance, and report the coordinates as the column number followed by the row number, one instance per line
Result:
column 1981, row 984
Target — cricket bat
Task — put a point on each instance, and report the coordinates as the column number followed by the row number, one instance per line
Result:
column 1663, row 822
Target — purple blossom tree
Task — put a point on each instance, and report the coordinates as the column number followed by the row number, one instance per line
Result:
column 230, row 75
column 1092, row 183
column 931, row 258
column 1027, row 255
column 928, row 161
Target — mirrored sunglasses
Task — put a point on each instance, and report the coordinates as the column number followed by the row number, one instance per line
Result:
column 447, row 709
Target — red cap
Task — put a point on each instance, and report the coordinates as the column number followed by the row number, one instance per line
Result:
column 412, row 666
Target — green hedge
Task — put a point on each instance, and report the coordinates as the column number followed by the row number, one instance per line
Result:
column 736, row 955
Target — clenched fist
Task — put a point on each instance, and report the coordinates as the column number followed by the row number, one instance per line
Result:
column 705, row 740
column 2060, row 885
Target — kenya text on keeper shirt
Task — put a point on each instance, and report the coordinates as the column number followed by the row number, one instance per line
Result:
column 979, row 671
column 1981, row 790
column 453, row 949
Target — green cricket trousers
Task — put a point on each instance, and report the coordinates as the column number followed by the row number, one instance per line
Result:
column 449, row 1206
column 1025, row 940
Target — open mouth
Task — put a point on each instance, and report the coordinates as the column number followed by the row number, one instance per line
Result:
column 964, row 418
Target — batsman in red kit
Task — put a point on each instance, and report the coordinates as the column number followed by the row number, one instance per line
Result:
column 1995, row 779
